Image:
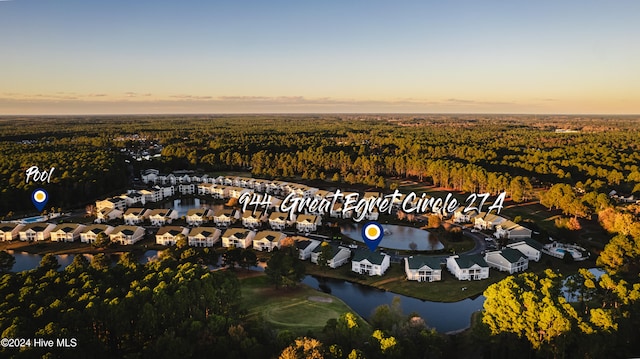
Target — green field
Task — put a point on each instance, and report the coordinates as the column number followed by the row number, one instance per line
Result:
column 298, row 310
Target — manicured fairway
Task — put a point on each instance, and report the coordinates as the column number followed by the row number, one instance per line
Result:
column 298, row 310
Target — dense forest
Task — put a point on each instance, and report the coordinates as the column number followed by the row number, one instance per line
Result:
column 174, row 307
column 469, row 153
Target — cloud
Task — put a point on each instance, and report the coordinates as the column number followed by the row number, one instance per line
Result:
column 131, row 102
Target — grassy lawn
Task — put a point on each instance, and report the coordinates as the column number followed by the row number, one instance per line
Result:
column 299, row 309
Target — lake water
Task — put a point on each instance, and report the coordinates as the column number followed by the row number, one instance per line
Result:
column 444, row 317
column 396, row 237
column 182, row 205
column 27, row 261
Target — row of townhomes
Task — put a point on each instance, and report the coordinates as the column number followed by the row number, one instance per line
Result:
column 513, row 258
column 503, row 227
column 70, row 232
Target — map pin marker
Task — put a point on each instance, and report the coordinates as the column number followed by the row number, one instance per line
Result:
column 39, row 197
column 372, row 234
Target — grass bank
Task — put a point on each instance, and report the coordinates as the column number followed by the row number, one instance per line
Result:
column 296, row 309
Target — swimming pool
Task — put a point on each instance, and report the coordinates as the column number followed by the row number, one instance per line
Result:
column 32, row 219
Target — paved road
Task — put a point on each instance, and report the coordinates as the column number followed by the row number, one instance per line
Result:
column 478, row 238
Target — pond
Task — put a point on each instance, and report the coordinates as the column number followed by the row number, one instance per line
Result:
column 28, row 261
column 182, row 205
column 444, row 317
column 397, row 237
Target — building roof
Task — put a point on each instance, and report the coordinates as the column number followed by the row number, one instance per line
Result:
column 512, row 255
column 205, row 231
column 307, row 218
column 135, row 212
column 66, row 227
column 303, row 244
column 468, row 260
column 197, row 212
column 250, row 214
column 95, row 228
column 126, row 230
column 239, row 233
column 335, row 249
column 372, row 257
column 271, row 236
column 161, row 212
column 279, row 215
column 36, row 227
column 173, row 230
column 8, row 227
column 530, row 242
column 418, row 261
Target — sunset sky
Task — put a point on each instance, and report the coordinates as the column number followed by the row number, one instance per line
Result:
column 104, row 57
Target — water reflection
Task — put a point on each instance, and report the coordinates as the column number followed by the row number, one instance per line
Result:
column 183, row 205
column 444, row 317
column 397, row 237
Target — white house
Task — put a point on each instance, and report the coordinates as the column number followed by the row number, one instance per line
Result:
column 160, row 217
column 507, row 260
column 133, row 197
column 150, row 175
column 278, row 221
column 197, row 216
column 187, row 188
column 108, row 214
column 66, row 232
column 529, row 247
column 487, row 221
column 423, row 268
column 468, row 267
column 152, row 195
column 115, row 202
column 307, row 223
column 267, row 240
column 370, row 263
column 135, row 216
column 236, row 192
column 220, row 192
column 90, row 233
column 126, row 235
column 204, row 236
column 10, row 231
column 251, row 220
column 167, row 235
column 225, row 216
column 205, row 188
column 168, row 191
column 338, row 256
column 36, row 231
column 237, row 237
column 305, row 247
column 511, row 230
column 459, row 216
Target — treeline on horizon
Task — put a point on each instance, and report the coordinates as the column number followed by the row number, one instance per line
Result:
column 468, row 153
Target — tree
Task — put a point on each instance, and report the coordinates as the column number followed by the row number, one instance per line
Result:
column 181, row 241
column 6, row 261
column 533, row 307
column 79, row 264
column 232, row 257
column 100, row 262
column 102, row 240
column 434, row 221
column 304, row 348
column 325, row 255
column 49, row 262
column 386, row 316
column 248, row 259
column 284, row 268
